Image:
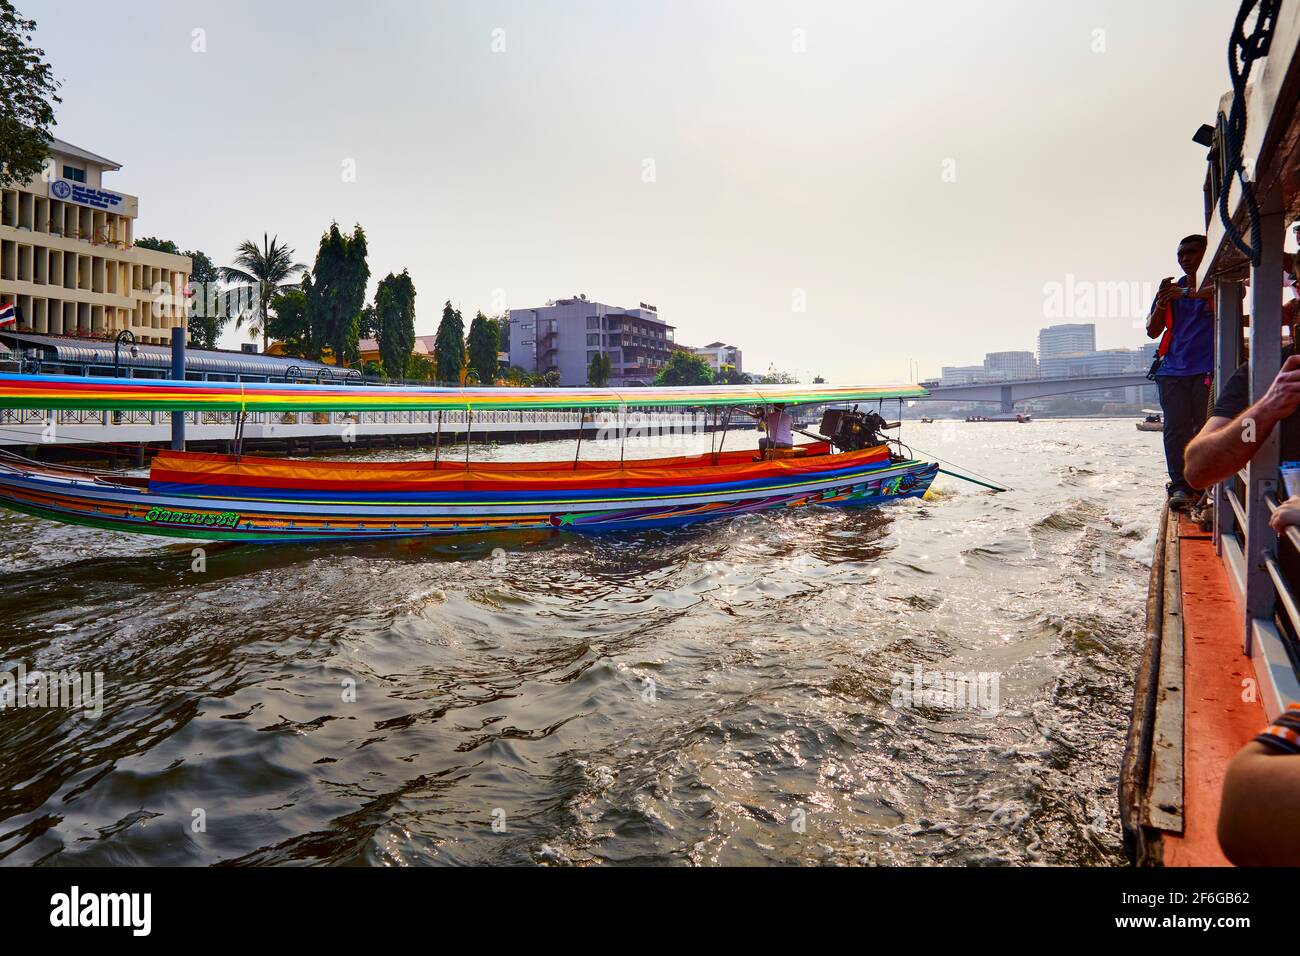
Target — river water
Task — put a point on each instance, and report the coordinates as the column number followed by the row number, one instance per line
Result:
column 729, row 693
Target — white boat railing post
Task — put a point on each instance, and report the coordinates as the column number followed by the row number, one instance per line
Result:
column 1262, row 472
column 1227, row 338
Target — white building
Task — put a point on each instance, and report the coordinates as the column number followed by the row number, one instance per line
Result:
column 67, row 261
column 718, row 354
column 566, row 334
column 1066, row 339
column 965, row 375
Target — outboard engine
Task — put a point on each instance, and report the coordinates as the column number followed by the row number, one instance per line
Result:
column 853, row 430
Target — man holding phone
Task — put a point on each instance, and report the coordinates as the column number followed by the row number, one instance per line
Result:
column 1183, row 319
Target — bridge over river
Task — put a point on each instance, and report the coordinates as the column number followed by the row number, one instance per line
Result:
column 1020, row 390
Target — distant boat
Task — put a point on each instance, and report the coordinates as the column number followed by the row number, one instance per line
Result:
column 1152, row 423
column 1000, row 418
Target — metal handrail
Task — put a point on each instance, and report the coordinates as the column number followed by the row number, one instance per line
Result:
column 1291, row 532
column 1283, row 590
column 1239, row 511
column 1280, row 586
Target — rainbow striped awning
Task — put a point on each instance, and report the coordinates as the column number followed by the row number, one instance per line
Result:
column 138, row 394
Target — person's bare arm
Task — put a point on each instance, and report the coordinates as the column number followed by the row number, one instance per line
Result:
column 1219, row 450
column 1259, row 817
column 1223, row 446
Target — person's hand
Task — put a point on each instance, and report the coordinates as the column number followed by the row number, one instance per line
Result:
column 1288, row 513
column 1169, row 291
column 1283, row 395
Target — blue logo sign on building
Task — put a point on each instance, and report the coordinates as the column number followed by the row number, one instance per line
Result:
column 84, row 195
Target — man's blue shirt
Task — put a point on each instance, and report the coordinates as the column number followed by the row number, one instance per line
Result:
column 1192, row 350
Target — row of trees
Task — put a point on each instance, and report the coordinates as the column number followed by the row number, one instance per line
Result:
column 324, row 311
column 321, row 312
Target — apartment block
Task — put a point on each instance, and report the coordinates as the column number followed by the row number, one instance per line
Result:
column 564, row 335
column 67, row 259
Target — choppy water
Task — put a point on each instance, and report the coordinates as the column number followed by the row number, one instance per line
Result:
column 716, row 694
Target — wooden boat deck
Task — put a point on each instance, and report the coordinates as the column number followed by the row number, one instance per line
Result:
column 1195, row 704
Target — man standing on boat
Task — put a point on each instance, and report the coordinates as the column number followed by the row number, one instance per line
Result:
column 779, row 427
column 1183, row 319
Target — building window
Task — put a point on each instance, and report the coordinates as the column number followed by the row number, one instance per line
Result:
column 593, row 338
column 75, row 174
column 593, row 321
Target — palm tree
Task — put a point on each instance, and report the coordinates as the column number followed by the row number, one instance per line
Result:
column 259, row 274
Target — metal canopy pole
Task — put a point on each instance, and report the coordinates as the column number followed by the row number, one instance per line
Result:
column 726, row 423
column 469, row 433
column 178, row 374
column 1227, row 330
column 437, row 441
column 577, row 451
column 622, row 434
column 239, row 432
column 1262, row 471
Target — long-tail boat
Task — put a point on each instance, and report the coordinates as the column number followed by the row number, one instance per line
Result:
column 258, row 499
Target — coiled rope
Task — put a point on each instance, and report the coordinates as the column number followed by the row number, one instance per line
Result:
column 1243, row 51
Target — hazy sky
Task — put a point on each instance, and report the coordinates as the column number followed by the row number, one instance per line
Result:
column 913, row 173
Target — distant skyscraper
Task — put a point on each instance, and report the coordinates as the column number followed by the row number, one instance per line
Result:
column 1011, row 364
column 1066, row 339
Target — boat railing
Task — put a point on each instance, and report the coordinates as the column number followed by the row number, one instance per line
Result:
column 632, row 418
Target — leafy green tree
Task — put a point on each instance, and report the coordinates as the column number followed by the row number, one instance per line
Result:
column 368, row 324
column 449, row 345
column 208, row 316
column 503, row 331
column 773, row 377
column 27, row 98
column 257, row 275
column 420, row 367
column 394, row 315
column 483, row 348
column 727, row 375
column 599, row 370
column 336, row 292
column 683, row 368
column 156, row 244
column 290, row 324
column 373, row 369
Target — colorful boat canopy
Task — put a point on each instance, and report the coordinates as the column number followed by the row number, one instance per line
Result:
column 140, row 394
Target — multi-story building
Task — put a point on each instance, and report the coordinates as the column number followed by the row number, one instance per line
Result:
column 1094, row 362
column 1066, row 339
column 566, row 334
column 1012, row 364
column 67, row 259
column 718, row 354
column 964, row 375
